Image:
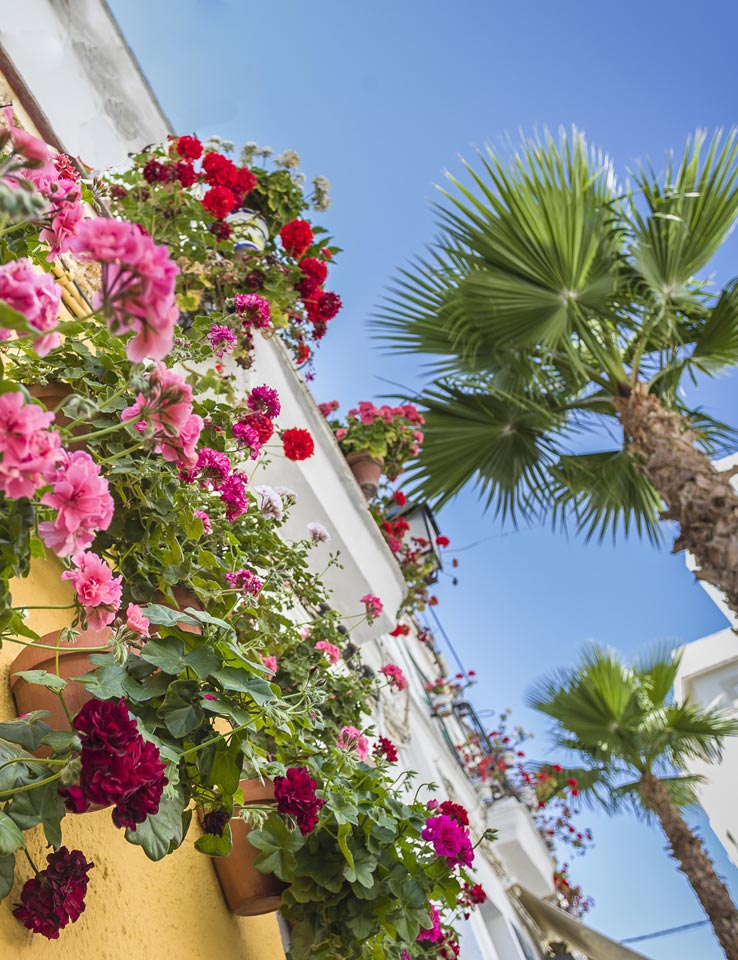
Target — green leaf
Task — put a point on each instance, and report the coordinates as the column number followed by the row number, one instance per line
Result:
column 344, row 832
column 161, row 832
column 7, row 874
column 363, row 868
column 12, row 320
column 62, row 741
column 28, row 731
column 203, row 660
column 241, row 681
column 166, row 653
column 10, row 836
column 226, row 770
column 41, row 805
column 215, row 846
column 43, row 678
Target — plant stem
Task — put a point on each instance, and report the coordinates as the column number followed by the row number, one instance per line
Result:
column 29, row 786
column 28, row 857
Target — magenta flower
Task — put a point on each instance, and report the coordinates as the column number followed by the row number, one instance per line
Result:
column 98, row 591
column 37, row 296
column 264, row 400
column 253, row 310
column 222, row 339
column 83, row 503
column 450, row 840
column 29, row 451
column 233, row 494
column 25, row 143
column 353, row 739
column 373, row 606
column 246, row 581
column 330, row 650
column 212, row 468
column 247, row 435
column 137, row 284
column 165, row 406
column 136, row 621
column 394, row 675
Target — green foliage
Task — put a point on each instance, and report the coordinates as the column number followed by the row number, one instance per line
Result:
column 550, row 292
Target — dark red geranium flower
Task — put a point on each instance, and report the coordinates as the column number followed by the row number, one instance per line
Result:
column 220, row 230
column 186, row 173
column 56, row 895
column 155, row 172
column 118, row 192
column 215, row 821
column 106, row 725
column 296, row 237
column 254, row 280
column 329, row 304
column 297, row 444
column 455, row 811
column 316, row 269
column 295, row 795
column 219, row 170
column 385, row 748
column 308, row 287
column 189, row 147
column 319, row 329
column 219, row 201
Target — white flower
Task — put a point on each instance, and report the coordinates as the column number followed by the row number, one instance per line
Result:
column 288, row 496
column 318, row 533
column 270, row 502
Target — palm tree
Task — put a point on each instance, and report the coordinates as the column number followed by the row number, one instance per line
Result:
column 563, row 315
column 632, row 741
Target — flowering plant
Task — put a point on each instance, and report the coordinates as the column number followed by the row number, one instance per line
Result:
column 247, row 257
column 388, row 433
column 364, row 862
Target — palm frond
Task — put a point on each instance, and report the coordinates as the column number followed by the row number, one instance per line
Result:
column 604, row 492
column 689, row 216
column 498, row 442
column 716, row 341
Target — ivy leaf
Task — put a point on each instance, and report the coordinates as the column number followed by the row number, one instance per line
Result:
column 41, row 805
column 166, row 654
column 62, row 741
column 106, row 683
column 10, row 836
column 43, row 679
column 227, row 766
column 161, row 832
column 363, row 869
column 344, row 810
column 7, row 873
column 240, row 681
column 203, row 661
column 28, row 732
column 215, row 846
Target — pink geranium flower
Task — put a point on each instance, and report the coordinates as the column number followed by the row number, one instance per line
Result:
column 394, row 675
column 270, row 663
column 136, row 621
column 373, row 605
column 450, row 840
column 83, row 503
column 434, row 934
column 26, row 144
column 137, row 284
column 205, row 519
column 165, row 406
column 353, row 739
column 37, row 296
column 29, row 451
column 330, row 650
column 98, row 591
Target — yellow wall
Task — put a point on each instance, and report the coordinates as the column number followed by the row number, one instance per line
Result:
column 136, row 909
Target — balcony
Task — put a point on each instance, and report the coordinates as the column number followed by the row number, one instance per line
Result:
column 520, row 846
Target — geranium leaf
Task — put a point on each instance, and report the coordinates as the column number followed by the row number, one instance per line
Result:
column 7, row 873
column 28, row 731
column 213, row 845
column 41, row 805
column 161, row 832
column 11, row 836
column 43, row 679
column 166, row 654
column 344, row 831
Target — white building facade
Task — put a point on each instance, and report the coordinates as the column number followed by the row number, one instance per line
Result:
column 108, row 110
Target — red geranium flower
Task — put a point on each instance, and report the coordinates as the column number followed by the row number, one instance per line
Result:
column 56, row 896
column 189, row 147
column 315, row 269
column 297, row 444
column 296, row 237
column 219, row 201
column 185, row 172
column 155, row 172
column 219, row 170
column 329, row 304
column 385, row 748
column 442, row 541
column 399, row 497
column 244, row 181
column 295, row 796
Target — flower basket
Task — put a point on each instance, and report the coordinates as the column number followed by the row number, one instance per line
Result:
column 443, row 704
column 248, row 892
column 73, row 661
column 367, row 470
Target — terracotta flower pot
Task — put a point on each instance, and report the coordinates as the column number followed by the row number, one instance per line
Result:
column 367, row 470
column 248, row 892
column 51, row 395
column 73, row 662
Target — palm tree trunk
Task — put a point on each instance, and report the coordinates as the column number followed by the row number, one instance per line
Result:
column 699, row 497
column 695, row 864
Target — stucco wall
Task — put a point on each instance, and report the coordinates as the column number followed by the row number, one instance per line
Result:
column 136, row 909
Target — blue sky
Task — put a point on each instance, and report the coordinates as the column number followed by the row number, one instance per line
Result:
column 382, row 98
